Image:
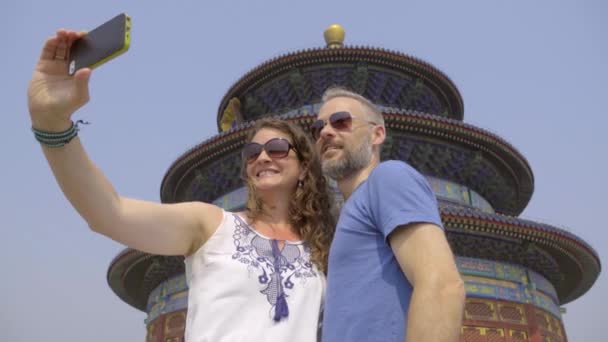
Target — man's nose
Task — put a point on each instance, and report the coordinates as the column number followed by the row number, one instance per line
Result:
column 327, row 131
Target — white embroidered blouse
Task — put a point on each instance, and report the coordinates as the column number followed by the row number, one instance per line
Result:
column 243, row 287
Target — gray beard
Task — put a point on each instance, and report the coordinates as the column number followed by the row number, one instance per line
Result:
column 350, row 163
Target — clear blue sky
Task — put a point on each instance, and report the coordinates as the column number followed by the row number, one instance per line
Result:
column 533, row 72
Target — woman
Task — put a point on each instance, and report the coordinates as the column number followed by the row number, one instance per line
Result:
column 252, row 275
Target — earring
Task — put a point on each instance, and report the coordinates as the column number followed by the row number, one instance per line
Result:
column 300, row 183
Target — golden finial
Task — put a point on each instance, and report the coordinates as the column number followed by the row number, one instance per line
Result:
column 334, row 36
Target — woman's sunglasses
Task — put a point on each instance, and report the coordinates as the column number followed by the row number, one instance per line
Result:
column 340, row 121
column 276, row 148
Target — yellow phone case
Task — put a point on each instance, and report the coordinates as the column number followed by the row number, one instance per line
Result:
column 102, row 44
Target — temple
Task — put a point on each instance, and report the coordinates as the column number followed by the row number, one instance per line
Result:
column 518, row 272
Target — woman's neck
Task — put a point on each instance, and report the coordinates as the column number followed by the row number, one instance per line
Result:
column 275, row 214
column 275, row 209
column 274, row 220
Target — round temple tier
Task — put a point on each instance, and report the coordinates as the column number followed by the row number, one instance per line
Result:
column 436, row 146
column 298, row 79
column 569, row 264
column 503, row 298
column 133, row 275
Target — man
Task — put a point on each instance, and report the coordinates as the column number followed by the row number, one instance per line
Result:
column 392, row 275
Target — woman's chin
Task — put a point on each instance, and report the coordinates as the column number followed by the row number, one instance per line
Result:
column 270, row 187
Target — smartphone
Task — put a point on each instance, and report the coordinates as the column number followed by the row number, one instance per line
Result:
column 100, row 45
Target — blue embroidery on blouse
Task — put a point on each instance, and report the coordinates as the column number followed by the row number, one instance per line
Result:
column 277, row 271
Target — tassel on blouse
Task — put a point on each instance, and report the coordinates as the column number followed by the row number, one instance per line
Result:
column 281, row 310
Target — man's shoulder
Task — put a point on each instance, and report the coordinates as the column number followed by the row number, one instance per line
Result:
column 392, row 168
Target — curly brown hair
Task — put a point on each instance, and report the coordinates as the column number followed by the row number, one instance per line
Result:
column 311, row 208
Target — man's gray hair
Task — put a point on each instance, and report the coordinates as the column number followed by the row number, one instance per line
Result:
column 373, row 112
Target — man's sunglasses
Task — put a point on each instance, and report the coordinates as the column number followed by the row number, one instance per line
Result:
column 340, row 121
column 276, row 148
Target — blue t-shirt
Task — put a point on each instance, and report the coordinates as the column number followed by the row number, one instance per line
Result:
column 367, row 293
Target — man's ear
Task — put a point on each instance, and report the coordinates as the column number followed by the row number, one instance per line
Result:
column 378, row 135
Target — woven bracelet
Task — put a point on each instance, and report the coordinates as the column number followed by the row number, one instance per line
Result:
column 58, row 139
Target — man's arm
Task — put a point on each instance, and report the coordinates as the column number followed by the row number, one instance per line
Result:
column 436, row 307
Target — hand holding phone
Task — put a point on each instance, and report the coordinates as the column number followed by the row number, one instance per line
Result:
column 56, row 90
column 100, row 45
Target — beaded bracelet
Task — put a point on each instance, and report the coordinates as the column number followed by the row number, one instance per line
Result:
column 59, row 139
